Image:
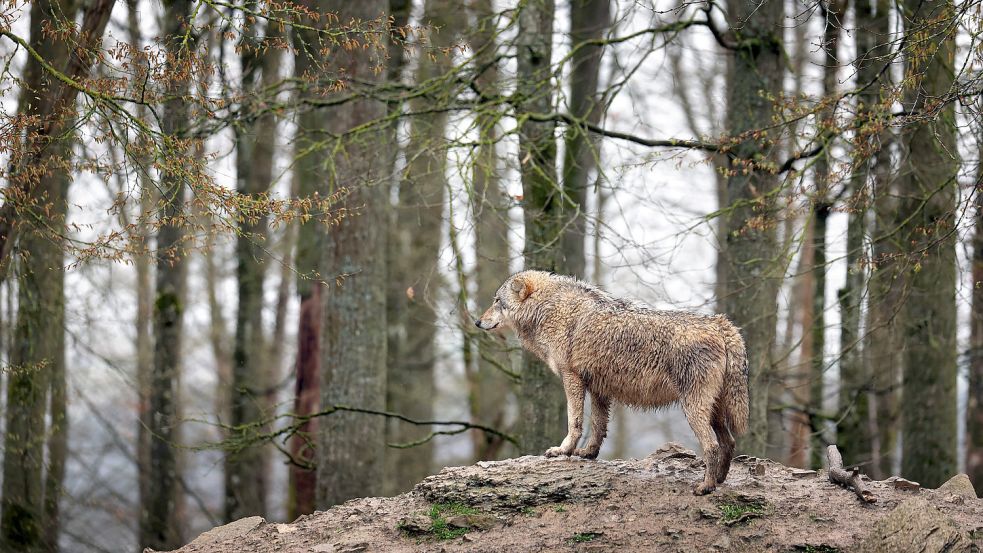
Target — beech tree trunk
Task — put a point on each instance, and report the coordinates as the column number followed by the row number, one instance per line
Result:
column 351, row 446
column 542, row 405
column 754, row 267
column 928, row 191
column 974, row 409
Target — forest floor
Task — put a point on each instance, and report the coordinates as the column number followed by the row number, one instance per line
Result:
column 570, row 504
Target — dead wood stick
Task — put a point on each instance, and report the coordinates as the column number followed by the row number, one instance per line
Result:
column 847, row 479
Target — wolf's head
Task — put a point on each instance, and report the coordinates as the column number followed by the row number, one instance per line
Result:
column 510, row 296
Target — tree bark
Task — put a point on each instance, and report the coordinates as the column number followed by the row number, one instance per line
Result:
column 752, row 251
column 351, row 446
column 542, row 414
column 928, row 190
column 159, row 526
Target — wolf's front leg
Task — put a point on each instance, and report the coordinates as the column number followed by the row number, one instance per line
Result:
column 573, row 387
column 599, row 409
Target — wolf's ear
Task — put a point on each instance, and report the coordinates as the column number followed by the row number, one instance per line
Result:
column 522, row 287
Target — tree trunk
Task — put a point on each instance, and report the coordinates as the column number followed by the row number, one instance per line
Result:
column 821, row 208
column 159, row 527
column 881, row 351
column 308, row 184
column 589, row 21
column 752, row 251
column 419, row 224
column 542, row 414
column 974, row 409
column 490, row 386
column 246, row 472
column 853, row 432
column 399, row 11
column 41, row 166
column 928, row 190
column 351, row 446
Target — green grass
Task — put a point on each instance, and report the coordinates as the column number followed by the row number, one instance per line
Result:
column 560, row 509
column 584, row 537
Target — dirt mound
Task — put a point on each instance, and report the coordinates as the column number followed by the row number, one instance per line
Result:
column 560, row 504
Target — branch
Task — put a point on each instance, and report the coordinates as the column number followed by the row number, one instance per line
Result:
column 847, row 479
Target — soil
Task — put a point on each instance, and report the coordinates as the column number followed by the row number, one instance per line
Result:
column 570, row 504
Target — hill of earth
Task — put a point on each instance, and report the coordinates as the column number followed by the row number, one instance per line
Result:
column 571, row 504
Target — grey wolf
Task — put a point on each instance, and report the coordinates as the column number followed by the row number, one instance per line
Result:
column 623, row 351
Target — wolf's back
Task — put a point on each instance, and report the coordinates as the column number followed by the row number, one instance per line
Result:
column 735, row 392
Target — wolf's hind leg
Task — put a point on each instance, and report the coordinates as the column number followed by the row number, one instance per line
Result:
column 573, row 386
column 600, row 409
column 726, row 441
column 699, row 414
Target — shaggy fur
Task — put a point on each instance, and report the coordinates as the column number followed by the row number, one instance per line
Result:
column 618, row 350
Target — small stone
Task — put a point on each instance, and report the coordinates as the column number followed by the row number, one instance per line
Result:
column 757, row 469
column 478, row 521
column 906, row 485
column 671, row 532
column 415, row 524
column 323, row 548
column 285, row 528
column 612, row 507
column 742, row 458
column 723, row 543
column 803, row 473
column 351, row 547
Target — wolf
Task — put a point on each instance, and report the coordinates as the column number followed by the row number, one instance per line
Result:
column 623, row 351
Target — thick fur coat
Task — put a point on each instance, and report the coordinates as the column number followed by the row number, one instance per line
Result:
column 622, row 351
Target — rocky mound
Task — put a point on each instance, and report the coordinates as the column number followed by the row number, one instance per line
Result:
column 539, row 504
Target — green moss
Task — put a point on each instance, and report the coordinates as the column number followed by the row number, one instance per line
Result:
column 821, row 548
column 439, row 528
column 740, row 509
column 584, row 537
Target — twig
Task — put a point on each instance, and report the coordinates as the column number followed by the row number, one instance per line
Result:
column 847, row 479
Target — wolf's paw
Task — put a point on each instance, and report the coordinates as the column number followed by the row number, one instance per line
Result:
column 586, row 452
column 704, row 489
column 556, row 452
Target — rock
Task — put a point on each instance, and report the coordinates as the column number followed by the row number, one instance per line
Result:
column 415, row 524
column 904, row 484
column 480, row 521
column 227, row 532
column 285, row 528
column 723, row 543
column 959, row 485
column 757, row 469
column 323, row 548
column 803, row 473
column 672, row 450
column 915, row 526
column 351, row 547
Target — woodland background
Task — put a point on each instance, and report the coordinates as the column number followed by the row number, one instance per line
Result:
column 242, row 244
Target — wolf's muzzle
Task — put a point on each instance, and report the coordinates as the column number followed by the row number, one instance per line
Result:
column 479, row 325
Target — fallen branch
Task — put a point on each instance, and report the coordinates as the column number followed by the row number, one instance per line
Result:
column 845, row 478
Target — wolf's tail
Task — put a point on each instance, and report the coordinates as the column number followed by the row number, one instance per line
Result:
column 735, row 403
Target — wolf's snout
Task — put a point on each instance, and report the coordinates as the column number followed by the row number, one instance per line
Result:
column 477, row 323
